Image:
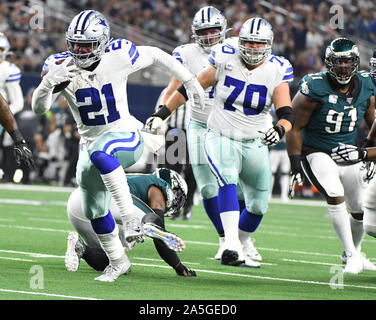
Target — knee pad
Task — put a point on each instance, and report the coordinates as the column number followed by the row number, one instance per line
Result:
column 209, row 191
column 104, row 162
column 257, row 206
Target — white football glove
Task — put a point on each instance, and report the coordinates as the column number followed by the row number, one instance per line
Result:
column 58, row 73
column 347, row 154
column 195, row 92
column 153, row 124
column 273, row 135
column 296, row 176
column 370, row 169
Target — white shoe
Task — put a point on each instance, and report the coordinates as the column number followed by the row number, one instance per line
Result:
column 354, row 263
column 367, row 264
column 250, row 250
column 170, row 239
column 249, row 263
column 232, row 254
column 221, row 248
column 75, row 250
column 133, row 231
column 112, row 272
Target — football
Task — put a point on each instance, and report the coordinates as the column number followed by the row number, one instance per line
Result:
column 60, row 87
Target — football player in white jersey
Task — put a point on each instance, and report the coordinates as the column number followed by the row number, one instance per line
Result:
column 10, row 76
column 208, row 29
column 93, row 78
column 10, row 89
column 248, row 79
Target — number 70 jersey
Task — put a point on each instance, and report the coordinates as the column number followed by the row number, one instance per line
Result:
column 243, row 98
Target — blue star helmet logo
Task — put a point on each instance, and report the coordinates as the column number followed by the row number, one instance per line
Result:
column 102, row 22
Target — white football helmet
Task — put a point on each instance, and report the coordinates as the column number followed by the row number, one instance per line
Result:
column 88, row 29
column 4, row 44
column 255, row 30
column 206, row 18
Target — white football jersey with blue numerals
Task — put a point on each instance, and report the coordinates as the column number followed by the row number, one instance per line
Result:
column 9, row 73
column 98, row 99
column 194, row 58
column 243, row 98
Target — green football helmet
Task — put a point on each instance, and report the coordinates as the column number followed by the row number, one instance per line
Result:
column 342, row 60
column 177, row 184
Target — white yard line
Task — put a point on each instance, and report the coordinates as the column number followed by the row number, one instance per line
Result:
column 264, row 278
column 17, row 259
column 47, row 294
column 23, row 187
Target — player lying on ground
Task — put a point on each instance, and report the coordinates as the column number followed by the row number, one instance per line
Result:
column 154, row 195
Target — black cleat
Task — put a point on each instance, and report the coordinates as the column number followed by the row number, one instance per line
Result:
column 185, row 271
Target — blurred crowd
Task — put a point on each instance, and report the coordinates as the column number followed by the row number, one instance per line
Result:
column 302, row 30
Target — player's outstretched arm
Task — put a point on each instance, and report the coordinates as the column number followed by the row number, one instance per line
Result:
column 205, row 78
column 302, row 108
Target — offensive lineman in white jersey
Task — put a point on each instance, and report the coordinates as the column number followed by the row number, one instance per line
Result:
column 247, row 80
column 94, row 86
column 208, row 29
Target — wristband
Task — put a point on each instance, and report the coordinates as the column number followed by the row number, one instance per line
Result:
column 162, row 113
column 16, row 136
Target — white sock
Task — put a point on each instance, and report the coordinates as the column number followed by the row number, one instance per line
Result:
column 230, row 222
column 111, row 244
column 285, row 179
column 244, row 235
column 357, row 231
column 341, row 223
column 116, row 183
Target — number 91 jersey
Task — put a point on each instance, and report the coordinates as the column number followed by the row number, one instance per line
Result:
column 98, row 98
column 243, row 98
column 337, row 117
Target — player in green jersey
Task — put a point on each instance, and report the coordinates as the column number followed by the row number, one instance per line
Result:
column 328, row 109
column 154, row 196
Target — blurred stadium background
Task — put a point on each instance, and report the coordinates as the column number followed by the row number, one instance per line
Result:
column 36, row 29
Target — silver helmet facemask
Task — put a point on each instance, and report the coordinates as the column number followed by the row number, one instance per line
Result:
column 90, row 30
column 255, row 30
column 208, row 18
column 342, row 60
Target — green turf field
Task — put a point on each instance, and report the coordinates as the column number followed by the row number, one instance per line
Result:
column 301, row 257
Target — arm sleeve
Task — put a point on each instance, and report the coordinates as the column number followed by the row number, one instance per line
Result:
column 15, row 96
column 155, row 56
column 42, row 99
